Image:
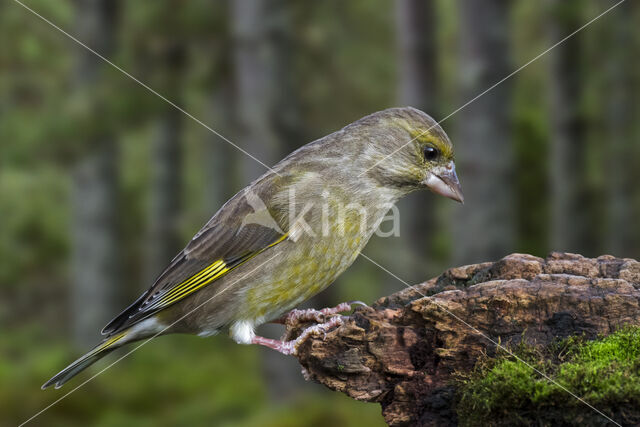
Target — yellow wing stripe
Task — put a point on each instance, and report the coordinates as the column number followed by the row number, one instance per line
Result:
column 193, row 289
column 197, row 276
column 203, row 278
column 194, row 279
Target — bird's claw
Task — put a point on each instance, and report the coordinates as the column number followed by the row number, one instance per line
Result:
column 316, row 330
column 291, row 347
column 360, row 303
column 321, row 326
column 319, row 316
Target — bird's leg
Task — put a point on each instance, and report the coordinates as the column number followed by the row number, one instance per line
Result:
column 291, row 347
column 311, row 315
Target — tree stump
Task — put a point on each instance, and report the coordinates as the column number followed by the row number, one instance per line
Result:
column 402, row 351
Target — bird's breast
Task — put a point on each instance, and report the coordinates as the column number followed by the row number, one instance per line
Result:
column 326, row 234
column 305, row 267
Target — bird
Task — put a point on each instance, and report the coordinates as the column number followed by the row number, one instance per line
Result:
column 287, row 235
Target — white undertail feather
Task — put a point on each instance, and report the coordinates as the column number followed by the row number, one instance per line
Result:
column 242, row 332
column 145, row 328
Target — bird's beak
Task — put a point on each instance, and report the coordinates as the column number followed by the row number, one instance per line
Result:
column 444, row 181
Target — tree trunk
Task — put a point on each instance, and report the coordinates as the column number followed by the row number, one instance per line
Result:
column 483, row 140
column 221, row 158
column 403, row 351
column 166, row 160
column 623, row 164
column 267, row 122
column 416, row 41
column 95, row 261
column 259, row 28
column 570, row 223
column 417, row 82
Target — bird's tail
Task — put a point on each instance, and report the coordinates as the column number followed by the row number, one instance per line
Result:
column 98, row 352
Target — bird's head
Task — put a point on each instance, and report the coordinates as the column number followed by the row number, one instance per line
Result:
column 407, row 150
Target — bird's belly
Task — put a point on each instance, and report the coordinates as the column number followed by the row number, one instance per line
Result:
column 301, row 274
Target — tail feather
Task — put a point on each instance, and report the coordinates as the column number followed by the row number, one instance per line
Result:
column 85, row 361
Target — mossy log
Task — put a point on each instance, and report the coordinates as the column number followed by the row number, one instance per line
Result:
column 403, row 350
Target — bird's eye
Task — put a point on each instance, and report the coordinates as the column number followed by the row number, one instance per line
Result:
column 430, row 153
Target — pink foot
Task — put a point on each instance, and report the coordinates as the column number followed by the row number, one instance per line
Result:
column 291, row 347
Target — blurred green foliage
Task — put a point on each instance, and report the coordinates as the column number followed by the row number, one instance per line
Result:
column 35, row 244
column 178, row 380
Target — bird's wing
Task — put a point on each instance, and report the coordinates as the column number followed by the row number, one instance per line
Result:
column 222, row 245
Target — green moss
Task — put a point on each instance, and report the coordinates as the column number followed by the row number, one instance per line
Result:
column 605, row 373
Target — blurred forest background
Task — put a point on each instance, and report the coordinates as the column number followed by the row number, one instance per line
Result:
column 102, row 182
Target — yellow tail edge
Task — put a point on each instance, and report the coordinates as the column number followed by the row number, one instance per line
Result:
column 97, row 353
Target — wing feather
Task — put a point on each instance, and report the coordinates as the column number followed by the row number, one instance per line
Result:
column 222, row 245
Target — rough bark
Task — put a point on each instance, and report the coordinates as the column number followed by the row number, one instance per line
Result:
column 402, row 351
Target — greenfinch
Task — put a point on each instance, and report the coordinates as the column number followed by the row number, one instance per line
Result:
column 287, row 235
